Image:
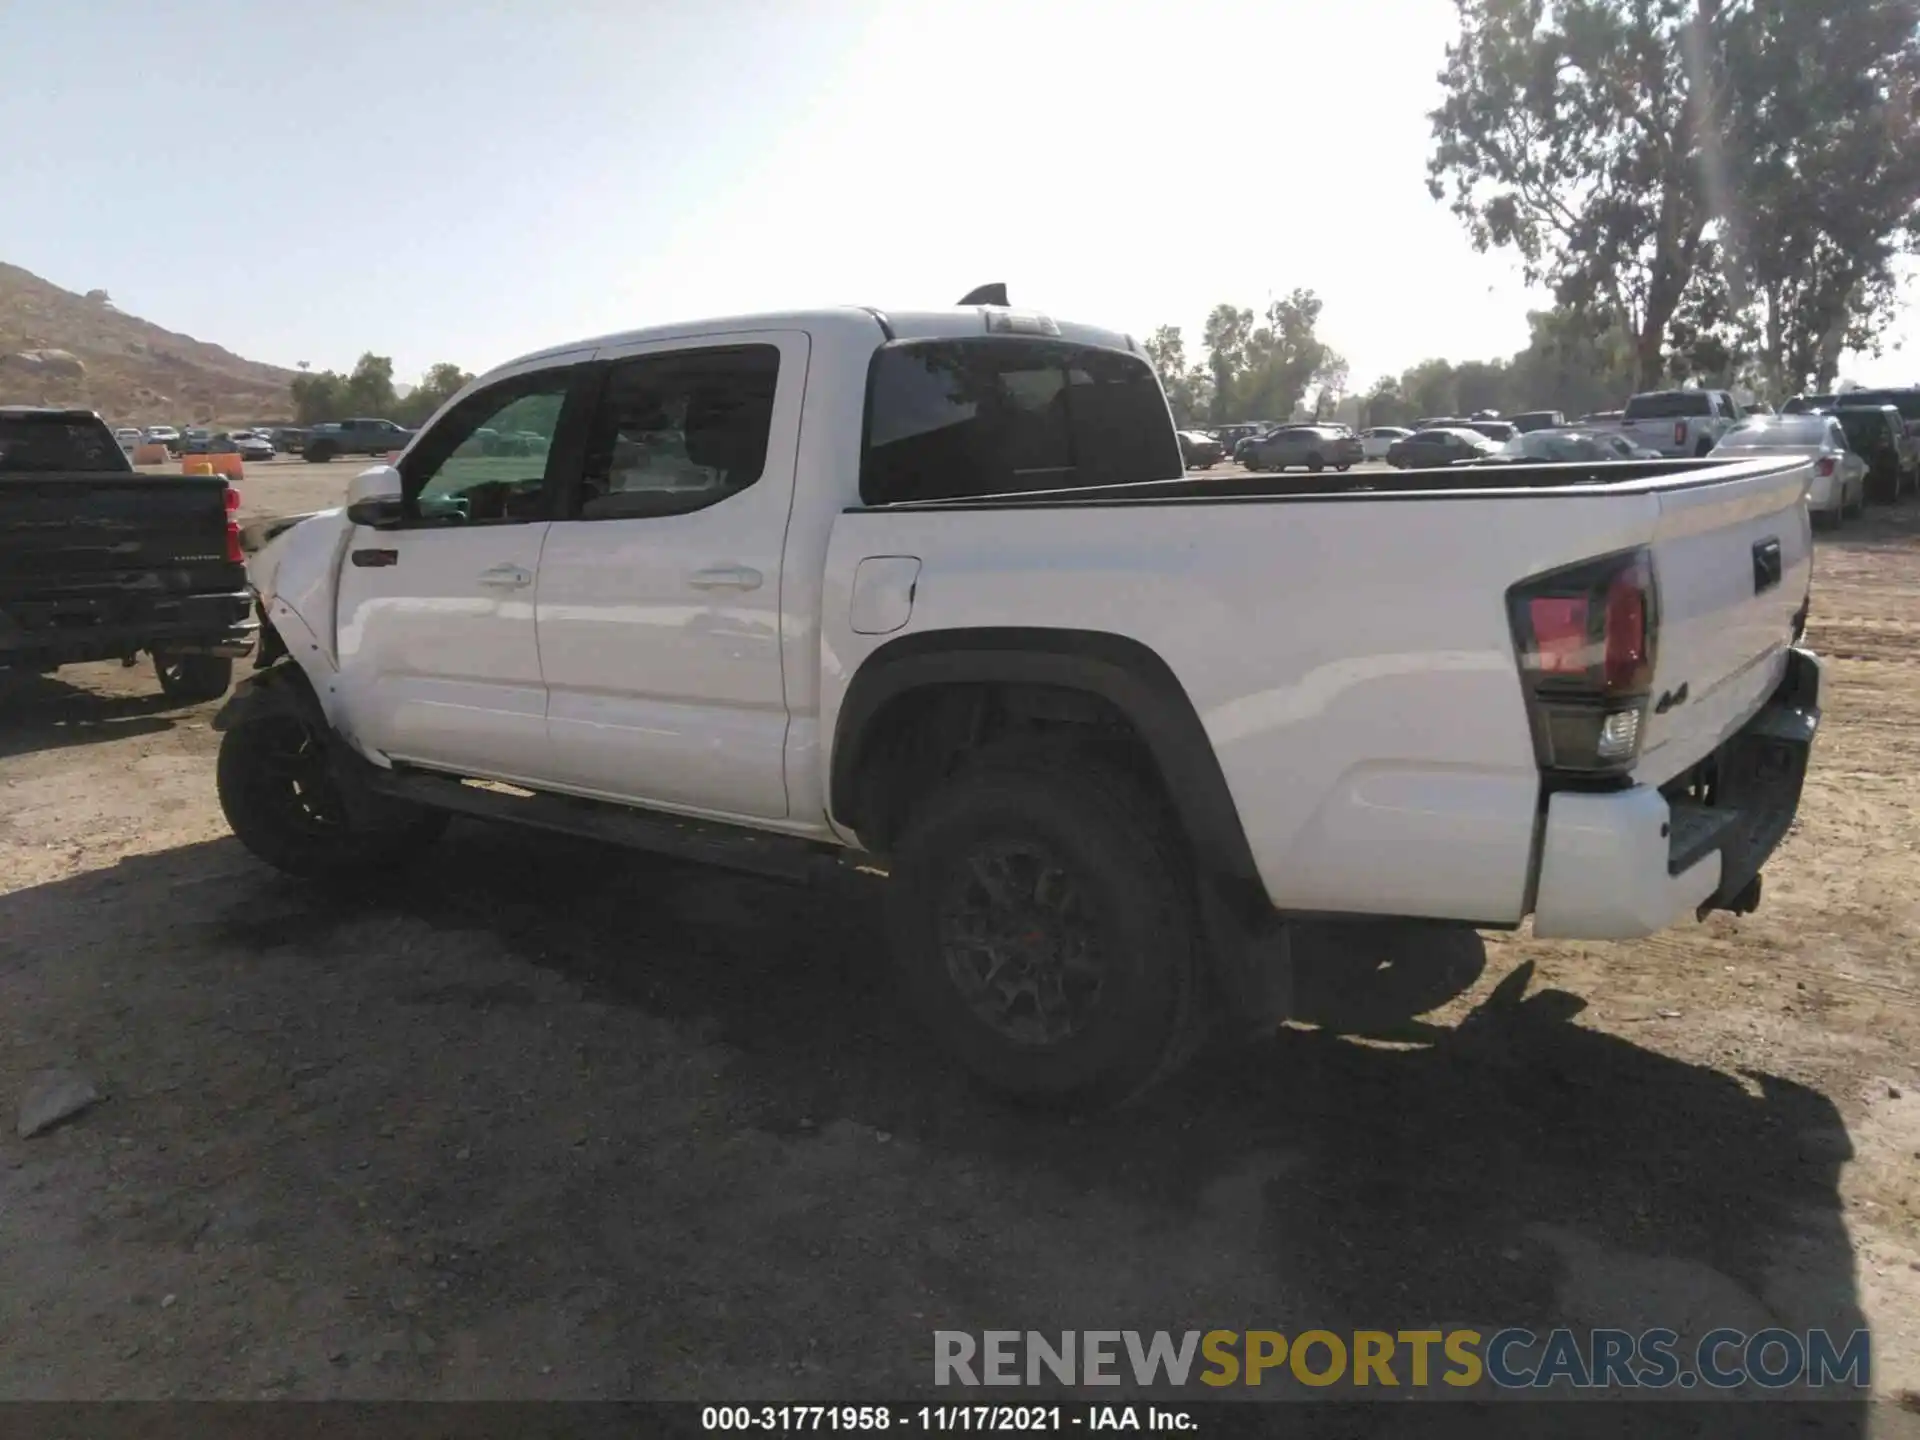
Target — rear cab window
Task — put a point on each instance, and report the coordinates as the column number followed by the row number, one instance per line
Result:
column 1669, row 405
column 40, row 444
column 996, row 415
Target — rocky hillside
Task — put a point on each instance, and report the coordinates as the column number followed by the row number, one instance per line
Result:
column 59, row 348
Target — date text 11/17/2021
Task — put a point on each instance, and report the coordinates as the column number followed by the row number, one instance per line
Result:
column 945, row 1419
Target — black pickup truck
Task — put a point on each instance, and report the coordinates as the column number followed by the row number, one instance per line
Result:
column 100, row 562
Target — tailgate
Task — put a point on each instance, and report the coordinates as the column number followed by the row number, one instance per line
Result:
column 96, row 549
column 1732, row 566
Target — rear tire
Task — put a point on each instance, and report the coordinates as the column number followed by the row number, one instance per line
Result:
column 1042, row 922
column 283, row 803
column 318, row 454
column 1703, row 449
column 192, row 679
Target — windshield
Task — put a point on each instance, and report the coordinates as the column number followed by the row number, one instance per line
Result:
column 1771, row 434
column 49, row 444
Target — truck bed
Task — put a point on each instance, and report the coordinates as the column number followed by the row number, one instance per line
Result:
column 1346, row 643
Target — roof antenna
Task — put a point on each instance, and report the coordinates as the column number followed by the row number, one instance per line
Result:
column 986, row 295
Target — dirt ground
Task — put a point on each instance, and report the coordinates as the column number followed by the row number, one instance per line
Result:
column 545, row 1120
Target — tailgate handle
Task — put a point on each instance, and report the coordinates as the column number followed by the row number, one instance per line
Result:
column 1766, row 565
column 373, row 559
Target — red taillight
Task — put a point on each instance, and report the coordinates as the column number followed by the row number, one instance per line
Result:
column 1679, row 432
column 1626, row 662
column 1584, row 637
column 235, row 553
column 1825, row 466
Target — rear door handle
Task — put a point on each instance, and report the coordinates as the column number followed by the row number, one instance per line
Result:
column 726, row 577
column 506, row 577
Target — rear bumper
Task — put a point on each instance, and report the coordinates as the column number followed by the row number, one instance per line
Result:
column 1627, row 863
column 206, row 624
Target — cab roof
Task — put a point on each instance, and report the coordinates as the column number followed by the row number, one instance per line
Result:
column 865, row 321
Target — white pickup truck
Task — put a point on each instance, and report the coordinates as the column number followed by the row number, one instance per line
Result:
column 1680, row 422
column 931, row 592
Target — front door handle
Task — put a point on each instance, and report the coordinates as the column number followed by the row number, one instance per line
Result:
column 726, row 577
column 506, row 577
column 375, row 559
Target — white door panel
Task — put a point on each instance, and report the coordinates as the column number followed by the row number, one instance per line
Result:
column 660, row 633
column 439, row 661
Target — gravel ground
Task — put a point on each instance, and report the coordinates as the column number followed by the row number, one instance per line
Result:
column 541, row 1119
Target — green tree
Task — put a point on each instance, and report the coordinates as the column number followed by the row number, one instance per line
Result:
column 1823, row 176
column 1431, row 389
column 1188, row 387
column 369, row 389
column 1575, row 134
column 1225, row 337
column 439, row 385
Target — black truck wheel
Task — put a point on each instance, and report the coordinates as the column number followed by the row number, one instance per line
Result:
column 283, row 802
column 192, row 679
column 318, row 453
column 1042, row 919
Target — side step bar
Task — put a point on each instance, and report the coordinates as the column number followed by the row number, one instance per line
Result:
column 708, row 842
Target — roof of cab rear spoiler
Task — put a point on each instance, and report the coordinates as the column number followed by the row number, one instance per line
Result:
column 995, row 294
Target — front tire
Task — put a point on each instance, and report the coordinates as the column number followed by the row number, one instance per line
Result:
column 192, row 679
column 318, row 454
column 1316, row 464
column 1042, row 921
column 282, row 801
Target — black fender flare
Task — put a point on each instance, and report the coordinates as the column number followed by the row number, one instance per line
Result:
column 280, row 689
column 1125, row 673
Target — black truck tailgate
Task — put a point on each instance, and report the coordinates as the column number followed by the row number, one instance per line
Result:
column 111, row 554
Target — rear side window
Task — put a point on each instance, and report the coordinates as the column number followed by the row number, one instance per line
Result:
column 1669, row 405
column 47, row 444
column 952, row 419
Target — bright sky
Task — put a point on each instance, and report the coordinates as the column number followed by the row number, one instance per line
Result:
column 464, row 180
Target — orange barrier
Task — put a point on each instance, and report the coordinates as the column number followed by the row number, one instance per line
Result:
column 227, row 465
column 150, row 454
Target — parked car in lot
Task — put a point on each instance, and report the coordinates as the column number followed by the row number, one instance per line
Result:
column 1375, row 443
column 1530, row 420
column 1878, row 435
column 1906, row 401
column 1230, row 436
column 1316, row 447
column 1837, row 486
column 846, row 611
column 287, row 439
column 251, row 444
column 195, row 440
column 1617, row 445
column 1680, row 422
column 100, row 562
column 1546, row 447
column 1446, row 445
column 164, row 435
column 1200, row 451
column 358, row 436
column 129, row 438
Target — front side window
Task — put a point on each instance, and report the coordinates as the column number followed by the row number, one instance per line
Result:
column 678, row 432
column 486, row 460
column 999, row 415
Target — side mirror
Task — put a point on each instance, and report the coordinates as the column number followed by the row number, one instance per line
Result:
column 374, row 497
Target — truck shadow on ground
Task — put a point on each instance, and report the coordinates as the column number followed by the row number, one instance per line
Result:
column 1515, row 1168
column 44, row 712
